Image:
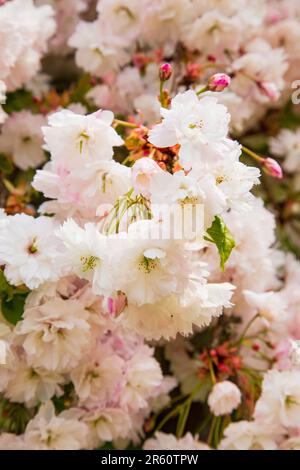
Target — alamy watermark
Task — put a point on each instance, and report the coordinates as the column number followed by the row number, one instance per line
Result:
column 168, row 221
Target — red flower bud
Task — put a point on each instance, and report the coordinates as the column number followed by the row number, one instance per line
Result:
column 224, row 368
column 211, row 58
column 236, row 362
column 213, row 353
column 219, row 82
column 222, row 350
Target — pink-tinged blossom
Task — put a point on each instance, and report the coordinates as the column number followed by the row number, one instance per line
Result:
column 21, row 139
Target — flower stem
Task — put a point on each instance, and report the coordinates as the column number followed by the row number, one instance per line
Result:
column 211, row 430
column 183, row 418
column 202, row 90
column 131, row 125
column 211, row 370
column 252, row 154
column 247, row 328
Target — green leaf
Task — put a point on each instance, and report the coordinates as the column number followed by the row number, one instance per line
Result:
column 12, row 309
column 219, row 234
column 82, row 88
column 107, row 446
column 14, row 417
column 288, row 118
column 17, row 101
column 6, row 290
column 6, row 166
column 4, row 285
column 12, row 300
column 62, row 401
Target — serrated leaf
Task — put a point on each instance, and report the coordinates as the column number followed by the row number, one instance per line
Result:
column 219, row 234
column 12, row 309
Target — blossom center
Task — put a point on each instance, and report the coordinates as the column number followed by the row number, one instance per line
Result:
column 98, row 52
column 197, row 125
column 150, row 259
column 32, row 247
column 83, row 139
column 220, row 179
column 93, row 375
column 214, row 28
column 190, row 200
column 148, row 264
column 49, row 438
column 104, row 181
column 290, row 401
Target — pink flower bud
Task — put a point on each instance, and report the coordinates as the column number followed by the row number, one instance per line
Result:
column 270, row 90
column 272, row 168
column 219, row 82
column 165, row 72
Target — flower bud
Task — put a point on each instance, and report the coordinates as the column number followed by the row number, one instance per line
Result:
column 165, row 72
column 272, row 168
column 224, row 398
column 211, row 58
column 218, row 82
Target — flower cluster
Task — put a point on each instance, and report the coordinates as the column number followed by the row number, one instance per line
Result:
column 67, row 346
column 25, row 31
column 166, row 290
column 256, row 44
